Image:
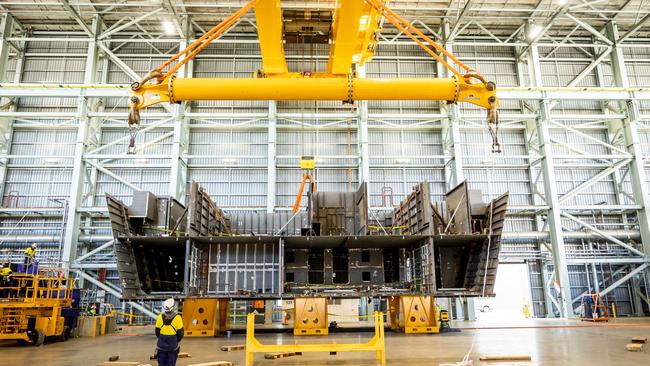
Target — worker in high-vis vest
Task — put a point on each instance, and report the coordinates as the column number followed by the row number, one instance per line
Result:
column 169, row 331
column 5, row 281
column 30, row 256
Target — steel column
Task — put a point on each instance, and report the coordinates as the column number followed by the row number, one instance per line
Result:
column 72, row 231
column 553, row 218
column 630, row 125
column 181, row 138
column 363, row 137
column 6, row 123
column 271, row 157
column 450, row 127
column 536, row 199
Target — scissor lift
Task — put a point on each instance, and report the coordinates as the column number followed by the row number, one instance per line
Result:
column 30, row 308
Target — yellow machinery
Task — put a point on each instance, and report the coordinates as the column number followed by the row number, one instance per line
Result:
column 308, row 164
column 310, row 316
column 30, row 308
column 353, row 41
column 444, row 319
column 205, row 317
column 414, row 314
column 375, row 344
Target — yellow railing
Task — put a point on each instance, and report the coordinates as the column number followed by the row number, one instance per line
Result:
column 33, row 288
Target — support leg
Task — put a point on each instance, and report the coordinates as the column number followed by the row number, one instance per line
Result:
column 249, row 358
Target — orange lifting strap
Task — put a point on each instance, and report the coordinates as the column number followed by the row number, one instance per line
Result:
column 196, row 46
column 407, row 28
column 305, row 177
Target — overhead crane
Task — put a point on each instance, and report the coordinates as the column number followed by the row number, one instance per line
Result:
column 353, row 40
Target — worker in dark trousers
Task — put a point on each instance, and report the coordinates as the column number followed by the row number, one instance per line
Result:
column 30, row 256
column 169, row 331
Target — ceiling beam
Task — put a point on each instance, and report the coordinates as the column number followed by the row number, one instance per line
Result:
column 589, row 28
column 75, row 15
column 459, row 20
column 634, row 29
column 126, row 25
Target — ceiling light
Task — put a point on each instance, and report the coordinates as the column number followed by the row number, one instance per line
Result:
column 52, row 161
column 562, row 2
column 141, row 161
column 168, row 26
column 402, row 161
column 230, row 161
column 534, row 31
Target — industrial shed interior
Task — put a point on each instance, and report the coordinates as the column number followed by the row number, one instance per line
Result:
column 350, row 182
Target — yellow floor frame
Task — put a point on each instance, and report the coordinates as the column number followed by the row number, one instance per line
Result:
column 375, row 344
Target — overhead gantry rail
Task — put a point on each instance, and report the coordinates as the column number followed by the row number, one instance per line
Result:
column 355, row 24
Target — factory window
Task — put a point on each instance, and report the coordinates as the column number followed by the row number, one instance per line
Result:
column 289, row 277
column 365, row 276
column 316, row 266
column 290, row 257
column 340, row 265
column 365, row 256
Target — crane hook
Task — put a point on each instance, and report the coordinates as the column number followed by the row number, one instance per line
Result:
column 493, row 125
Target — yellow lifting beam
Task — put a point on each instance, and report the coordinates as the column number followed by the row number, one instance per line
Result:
column 375, row 344
column 268, row 16
column 310, row 88
column 354, row 39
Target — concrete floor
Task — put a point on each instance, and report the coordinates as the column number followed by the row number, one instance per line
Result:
column 589, row 345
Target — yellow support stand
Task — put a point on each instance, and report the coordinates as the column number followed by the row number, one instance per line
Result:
column 393, row 313
column 417, row 314
column 310, row 316
column 205, row 317
column 376, row 343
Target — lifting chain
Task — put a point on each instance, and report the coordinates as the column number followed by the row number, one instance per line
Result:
column 134, row 124
column 493, row 119
column 133, row 133
column 350, row 88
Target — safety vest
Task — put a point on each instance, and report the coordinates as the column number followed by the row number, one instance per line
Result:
column 30, row 252
column 169, row 326
column 5, row 271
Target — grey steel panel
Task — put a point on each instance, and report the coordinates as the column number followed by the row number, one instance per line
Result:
column 458, row 209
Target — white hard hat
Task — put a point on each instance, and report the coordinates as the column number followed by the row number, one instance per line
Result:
column 34, row 245
column 168, row 305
